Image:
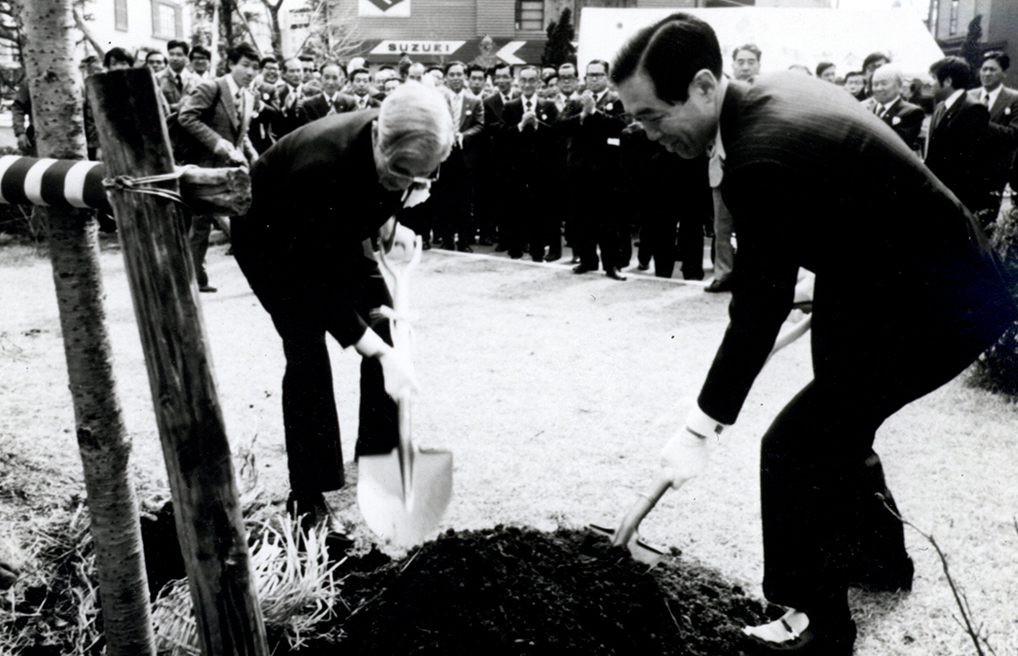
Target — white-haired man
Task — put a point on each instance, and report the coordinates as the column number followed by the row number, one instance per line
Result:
column 886, row 102
column 318, row 194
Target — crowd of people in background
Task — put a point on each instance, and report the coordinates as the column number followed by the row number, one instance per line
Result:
column 547, row 156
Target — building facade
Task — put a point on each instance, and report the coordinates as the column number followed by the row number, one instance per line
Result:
column 949, row 21
column 136, row 24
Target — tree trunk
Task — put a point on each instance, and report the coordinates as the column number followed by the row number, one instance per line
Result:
column 74, row 251
column 276, row 29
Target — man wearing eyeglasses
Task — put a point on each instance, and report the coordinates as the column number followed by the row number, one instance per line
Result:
column 320, row 195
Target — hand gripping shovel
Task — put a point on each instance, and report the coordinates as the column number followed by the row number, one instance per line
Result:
column 404, row 493
column 627, row 533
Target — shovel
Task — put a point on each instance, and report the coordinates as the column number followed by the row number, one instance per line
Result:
column 627, row 533
column 404, row 493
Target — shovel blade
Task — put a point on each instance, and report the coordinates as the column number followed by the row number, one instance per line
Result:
column 641, row 551
column 404, row 515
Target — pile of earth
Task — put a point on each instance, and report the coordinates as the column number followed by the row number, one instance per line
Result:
column 520, row 591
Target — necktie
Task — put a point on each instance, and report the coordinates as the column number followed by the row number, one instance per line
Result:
column 876, row 108
column 178, row 81
column 529, row 105
column 362, row 102
column 332, row 106
column 986, row 98
column 457, row 110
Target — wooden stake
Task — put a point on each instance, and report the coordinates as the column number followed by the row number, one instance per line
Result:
column 161, row 274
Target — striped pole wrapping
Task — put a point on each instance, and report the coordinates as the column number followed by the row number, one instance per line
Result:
column 52, row 182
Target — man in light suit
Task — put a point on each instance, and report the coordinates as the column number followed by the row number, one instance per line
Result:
column 1003, row 105
column 591, row 128
column 956, row 149
column 900, row 115
column 931, row 285
column 217, row 114
column 454, row 192
column 531, row 145
column 176, row 81
column 331, row 100
column 318, row 193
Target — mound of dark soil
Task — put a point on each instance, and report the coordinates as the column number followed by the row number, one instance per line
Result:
column 520, row 591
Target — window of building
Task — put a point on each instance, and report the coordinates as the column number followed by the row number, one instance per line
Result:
column 120, row 14
column 530, row 15
column 952, row 27
column 167, row 20
column 300, row 19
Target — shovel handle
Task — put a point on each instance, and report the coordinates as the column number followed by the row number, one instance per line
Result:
column 646, row 502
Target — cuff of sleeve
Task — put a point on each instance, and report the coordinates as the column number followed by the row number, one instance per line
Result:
column 702, row 424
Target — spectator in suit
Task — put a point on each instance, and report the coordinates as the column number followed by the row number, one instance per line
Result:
column 330, row 101
column 827, row 72
column 224, row 137
column 117, row 59
column 591, row 127
column 290, row 96
column 176, row 81
column 492, row 207
column 360, row 84
column 265, row 115
column 746, row 62
column 382, row 75
column 568, row 82
column 201, row 61
column 530, row 145
column 1003, row 105
column 156, row 62
column 318, row 194
column 855, row 84
column 476, row 77
column 957, row 145
column 931, row 285
column 415, row 72
column 886, row 102
column 454, row 193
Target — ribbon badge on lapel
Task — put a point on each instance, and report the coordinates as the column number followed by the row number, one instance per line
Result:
column 1007, row 111
column 895, row 120
column 609, row 106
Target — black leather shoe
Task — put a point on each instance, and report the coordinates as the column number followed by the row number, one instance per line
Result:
column 426, row 246
column 207, row 288
column 614, row 274
column 817, row 639
column 500, row 248
column 642, row 267
column 717, row 286
column 883, row 577
column 463, row 248
column 551, row 256
column 581, row 268
column 310, row 509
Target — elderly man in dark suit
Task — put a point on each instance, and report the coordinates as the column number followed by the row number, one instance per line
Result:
column 319, row 193
column 455, row 191
column 1003, row 105
column 931, row 297
column 217, row 114
column 957, row 145
column 330, row 101
column 591, row 127
column 290, row 95
column 531, row 146
column 900, row 115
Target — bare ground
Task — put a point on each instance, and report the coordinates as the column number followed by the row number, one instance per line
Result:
column 555, row 393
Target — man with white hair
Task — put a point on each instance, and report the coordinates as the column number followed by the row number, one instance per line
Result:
column 318, row 194
column 900, row 115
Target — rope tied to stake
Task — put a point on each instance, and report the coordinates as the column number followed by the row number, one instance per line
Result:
column 142, row 185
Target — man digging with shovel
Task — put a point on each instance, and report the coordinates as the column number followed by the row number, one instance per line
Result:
column 907, row 294
column 318, row 194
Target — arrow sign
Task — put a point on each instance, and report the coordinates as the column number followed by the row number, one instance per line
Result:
column 507, row 53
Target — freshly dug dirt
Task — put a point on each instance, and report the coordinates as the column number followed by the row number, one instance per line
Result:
column 519, row 591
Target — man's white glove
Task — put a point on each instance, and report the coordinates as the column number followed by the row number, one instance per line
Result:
column 398, row 373
column 685, row 455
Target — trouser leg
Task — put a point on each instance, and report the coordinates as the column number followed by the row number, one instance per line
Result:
column 201, row 228
column 724, row 250
column 310, row 423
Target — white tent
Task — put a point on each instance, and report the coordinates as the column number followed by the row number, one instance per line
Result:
column 786, row 36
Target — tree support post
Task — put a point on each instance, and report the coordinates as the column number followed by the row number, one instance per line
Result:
column 161, row 275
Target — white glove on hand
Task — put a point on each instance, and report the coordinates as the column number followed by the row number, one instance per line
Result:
column 685, row 456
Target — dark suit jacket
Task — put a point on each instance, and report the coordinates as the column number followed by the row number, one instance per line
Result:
column 168, row 86
column 592, row 145
column 317, row 107
column 530, row 156
column 372, row 102
column 906, row 120
column 927, row 289
column 224, row 123
column 289, row 110
column 316, row 198
column 957, row 150
column 471, row 127
column 1003, row 133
